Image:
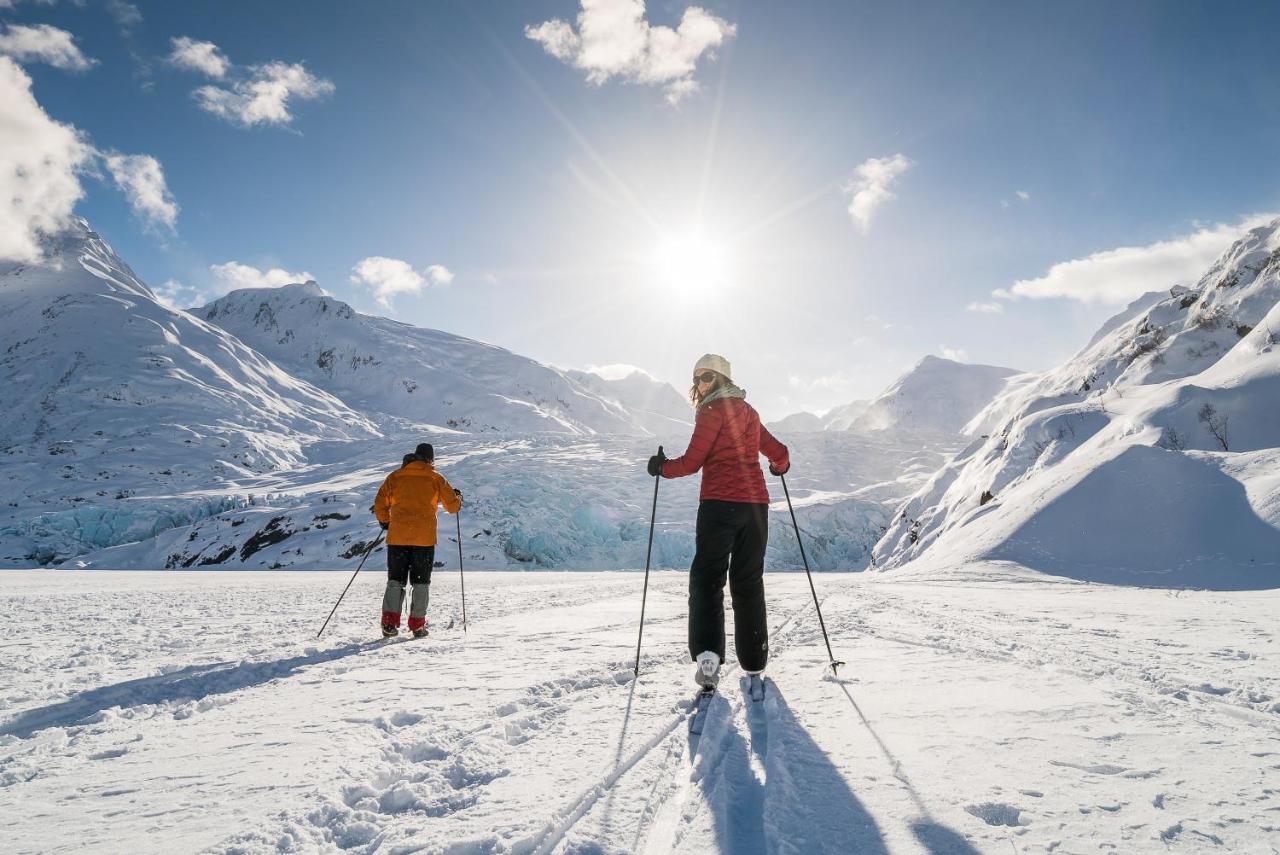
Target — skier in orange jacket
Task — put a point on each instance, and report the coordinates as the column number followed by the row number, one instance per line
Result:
column 406, row 508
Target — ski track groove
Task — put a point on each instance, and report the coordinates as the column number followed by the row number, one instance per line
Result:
column 556, row 829
column 961, row 633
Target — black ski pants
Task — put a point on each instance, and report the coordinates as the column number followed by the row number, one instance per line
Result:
column 410, row 564
column 731, row 540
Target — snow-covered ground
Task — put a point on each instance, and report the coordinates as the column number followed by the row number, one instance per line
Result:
column 994, row 712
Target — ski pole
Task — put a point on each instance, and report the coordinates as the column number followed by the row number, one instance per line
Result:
column 367, row 553
column 653, row 517
column 835, row 663
column 462, row 577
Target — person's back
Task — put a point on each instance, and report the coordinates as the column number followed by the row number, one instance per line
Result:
column 411, row 496
column 406, row 507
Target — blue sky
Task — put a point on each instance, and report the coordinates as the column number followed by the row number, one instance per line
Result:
column 592, row 222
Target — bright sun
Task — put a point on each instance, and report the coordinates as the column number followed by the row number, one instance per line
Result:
column 692, row 264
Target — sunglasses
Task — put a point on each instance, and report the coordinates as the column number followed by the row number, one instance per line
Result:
column 704, row 377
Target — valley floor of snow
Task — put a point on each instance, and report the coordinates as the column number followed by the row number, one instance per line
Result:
column 195, row 711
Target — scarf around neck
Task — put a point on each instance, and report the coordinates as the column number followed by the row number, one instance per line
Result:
column 728, row 390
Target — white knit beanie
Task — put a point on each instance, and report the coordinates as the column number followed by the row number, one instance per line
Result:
column 713, row 362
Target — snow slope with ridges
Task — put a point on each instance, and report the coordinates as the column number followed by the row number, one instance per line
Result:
column 108, row 394
column 426, row 376
column 1149, row 457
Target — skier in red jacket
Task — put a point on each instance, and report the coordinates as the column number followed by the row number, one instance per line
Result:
column 733, row 519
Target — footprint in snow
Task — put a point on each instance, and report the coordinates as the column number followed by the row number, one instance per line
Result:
column 1092, row 769
column 997, row 813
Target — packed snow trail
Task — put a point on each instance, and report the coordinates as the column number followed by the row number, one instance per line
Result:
column 190, row 712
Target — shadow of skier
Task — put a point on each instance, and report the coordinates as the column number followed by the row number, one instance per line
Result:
column 781, row 792
column 193, row 683
column 936, row 838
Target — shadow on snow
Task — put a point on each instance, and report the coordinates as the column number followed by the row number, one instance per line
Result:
column 193, row 683
column 781, row 786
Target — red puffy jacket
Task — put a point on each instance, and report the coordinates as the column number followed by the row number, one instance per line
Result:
column 727, row 441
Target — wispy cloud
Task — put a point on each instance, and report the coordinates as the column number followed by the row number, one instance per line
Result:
column 177, row 295
column 1022, row 195
column 1117, row 276
column 141, row 178
column 870, row 187
column 43, row 43
column 40, row 164
column 248, row 96
column 389, row 277
column 986, row 308
column 613, row 39
column 126, row 15
column 203, row 57
column 955, row 354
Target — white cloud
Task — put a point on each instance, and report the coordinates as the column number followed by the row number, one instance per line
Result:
column 953, row 353
column 1023, row 195
column 1117, row 276
column 986, row 308
column 43, row 43
column 387, row 277
column 204, row 57
column 263, row 97
column 616, row 371
column 141, row 179
column 438, row 274
column 870, row 186
column 614, row 40
column 233, row 275
column 40, row 162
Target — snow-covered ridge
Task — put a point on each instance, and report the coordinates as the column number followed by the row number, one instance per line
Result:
column 653, row 404
column 106, row 393
column 936, row 396
column 426, row 376
column 1148, row 457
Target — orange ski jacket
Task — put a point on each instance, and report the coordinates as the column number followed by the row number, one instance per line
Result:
column 408, row 500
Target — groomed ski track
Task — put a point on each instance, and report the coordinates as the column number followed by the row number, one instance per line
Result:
column 1000, row 712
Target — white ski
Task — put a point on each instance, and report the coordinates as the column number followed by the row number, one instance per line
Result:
column 755, row 688
column 701, row 703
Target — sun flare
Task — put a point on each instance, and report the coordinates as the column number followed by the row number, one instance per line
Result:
column 689, row 264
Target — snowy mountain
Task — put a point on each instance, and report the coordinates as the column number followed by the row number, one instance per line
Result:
column 655, row 405
column 844, row 416
column 802, row 422
column 107, row 393
column 936, row 396
column 380, row 366
column 1150, row 457
column 837, row 419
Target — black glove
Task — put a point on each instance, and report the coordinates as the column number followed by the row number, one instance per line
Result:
column 457, row 493
column 655, row 463
column 775, row 471
column 385, row 526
